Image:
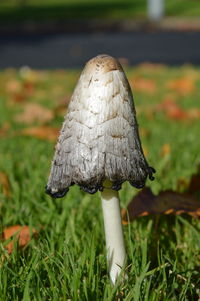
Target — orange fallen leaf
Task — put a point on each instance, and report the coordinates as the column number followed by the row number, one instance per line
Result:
column 34, row 112
column 172, row 110
column 182, row 86
column 5, row 184
column 167, row 202
column 21, row 234
column 141, row 84
column 42, row 132
column 19, row 91
column 15, row 90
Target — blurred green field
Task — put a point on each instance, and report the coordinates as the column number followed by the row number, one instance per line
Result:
column 19, row 10
column 67, row 260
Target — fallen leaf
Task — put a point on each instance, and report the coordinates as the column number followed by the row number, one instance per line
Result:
column 15, row 90
column 141, row 84
column 177, row 113
column 42, row 132
column 5, row 184
column 167, row 202
column 182, row 86
column 21, row 234
column 18, row 97
column 172, row 110
column 19, row 91
column 34, row 112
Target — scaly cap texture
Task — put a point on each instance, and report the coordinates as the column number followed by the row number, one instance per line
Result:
column 99, row 138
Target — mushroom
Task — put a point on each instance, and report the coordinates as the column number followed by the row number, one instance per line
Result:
column 99, row 148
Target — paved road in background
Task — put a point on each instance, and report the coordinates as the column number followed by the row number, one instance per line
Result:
column 69, row 51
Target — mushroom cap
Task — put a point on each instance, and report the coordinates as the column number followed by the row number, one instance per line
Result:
column 99, row 138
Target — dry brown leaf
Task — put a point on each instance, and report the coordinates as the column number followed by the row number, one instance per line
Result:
column 42, row 132
column 21, row 234
column 182, row 86
column 167, row 202
column 34, row 112
column 15, row 90
column 19, row 91
column 141, row 84
column 5, row 184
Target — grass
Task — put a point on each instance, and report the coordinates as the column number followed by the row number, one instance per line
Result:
column 13, row 10
column 67, row 260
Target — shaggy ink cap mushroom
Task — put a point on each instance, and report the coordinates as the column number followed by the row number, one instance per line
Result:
column 99, row 139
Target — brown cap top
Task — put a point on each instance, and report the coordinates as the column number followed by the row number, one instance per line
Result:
column 101, row 64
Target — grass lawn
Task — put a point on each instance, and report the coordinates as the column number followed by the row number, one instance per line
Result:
column 13, row 10
column 66, row 261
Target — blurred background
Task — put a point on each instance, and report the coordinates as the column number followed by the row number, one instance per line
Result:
column 66, row 33
column 43, row 46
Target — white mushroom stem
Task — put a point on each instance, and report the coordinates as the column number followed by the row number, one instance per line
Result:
column 113, row 231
